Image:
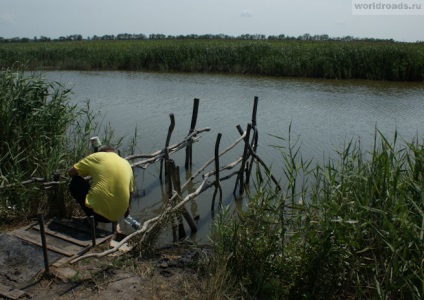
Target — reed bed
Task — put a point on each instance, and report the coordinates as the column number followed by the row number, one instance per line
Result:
column 41, row 136
column 351, row 229
column 320, row 59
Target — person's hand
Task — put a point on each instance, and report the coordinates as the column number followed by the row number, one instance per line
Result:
column 72, row 172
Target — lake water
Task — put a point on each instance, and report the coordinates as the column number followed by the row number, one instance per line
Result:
column 323, row 114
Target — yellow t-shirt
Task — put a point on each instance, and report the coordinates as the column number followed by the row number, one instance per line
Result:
column 112, row 182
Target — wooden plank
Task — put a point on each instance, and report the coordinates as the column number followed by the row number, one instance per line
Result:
column 32, row 236
column 10, row 292
column 37, row 243
column 70, row 224
column 63, row 237
column 101, row 234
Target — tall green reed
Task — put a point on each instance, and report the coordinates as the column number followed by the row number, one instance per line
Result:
column 42, row 134
column 319, row 59
column 358, row 233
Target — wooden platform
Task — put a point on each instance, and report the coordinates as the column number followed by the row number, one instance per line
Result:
column 69, row 238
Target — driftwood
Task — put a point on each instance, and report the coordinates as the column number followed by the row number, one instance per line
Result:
column 153, row 222
column 227, row 167
column 150, row 224
column 211, row 161
column 159, row 155
column 45, row 184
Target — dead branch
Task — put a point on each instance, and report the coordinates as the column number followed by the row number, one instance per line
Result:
column 253, row 153
column 145, row 228
column 212, row 160
column 172, row 147
column 227, row 167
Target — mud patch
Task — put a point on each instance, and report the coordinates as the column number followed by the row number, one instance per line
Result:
column 20, row 261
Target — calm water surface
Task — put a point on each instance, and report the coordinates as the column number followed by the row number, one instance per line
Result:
column 323, row 114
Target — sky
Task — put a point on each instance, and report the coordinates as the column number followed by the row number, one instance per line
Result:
column 55, row 18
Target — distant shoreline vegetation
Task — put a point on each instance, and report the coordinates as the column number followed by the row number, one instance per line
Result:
column 316, row 56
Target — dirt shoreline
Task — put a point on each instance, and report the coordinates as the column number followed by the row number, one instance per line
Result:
column 171, row 272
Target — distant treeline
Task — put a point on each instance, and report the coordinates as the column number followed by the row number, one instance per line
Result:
column 158, row 36
column 347, row 59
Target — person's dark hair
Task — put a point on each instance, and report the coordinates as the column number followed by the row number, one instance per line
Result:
column 106, row 148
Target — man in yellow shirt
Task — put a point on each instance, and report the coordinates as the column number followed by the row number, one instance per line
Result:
column 108, row 196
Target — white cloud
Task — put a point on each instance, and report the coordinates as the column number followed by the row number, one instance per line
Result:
column 246, row 14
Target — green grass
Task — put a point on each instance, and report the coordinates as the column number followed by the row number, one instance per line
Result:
column 320, row 59
column 353, row 230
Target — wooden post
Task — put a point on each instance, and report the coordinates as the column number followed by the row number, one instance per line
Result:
column 189, row 147
column 44, row 243
column 184, row 211
column 161, row 170
column 255, row 109
column 259, row 160
column 169, row 166
column 245, row 157
column 92, row 223
column 59, row 196
column 178, row 217
column 194, row 205
column 175, row 171
column 177, row 187
column 56, row 198
column 168, row 139
column 255, row 138
column 217, row 180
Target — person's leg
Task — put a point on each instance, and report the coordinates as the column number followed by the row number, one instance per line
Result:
column 79, row 187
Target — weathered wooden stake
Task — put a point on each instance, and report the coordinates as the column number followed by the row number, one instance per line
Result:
column 177, row 187
column 178, row 217
column 92, row 223
column 255, row 138
column 194, row 206
column 175, row 170
column 255, row 109
column 217, row 179
column 55, row 198
column 245, row 158
column 185, row 212
column 259, row 160
column 169, row 167
column 44, row 243
column 189, row 147
column 168, row 139
column 161, row 170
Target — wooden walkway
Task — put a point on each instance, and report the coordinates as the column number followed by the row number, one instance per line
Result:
column 69, row 238
column 66, row 239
